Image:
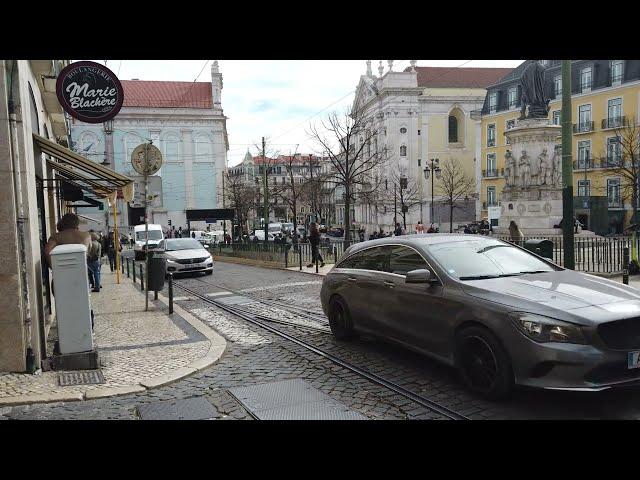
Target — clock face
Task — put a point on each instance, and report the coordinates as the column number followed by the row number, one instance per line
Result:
column 154, row 159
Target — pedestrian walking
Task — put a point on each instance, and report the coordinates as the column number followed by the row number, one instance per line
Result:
column 179, row 232
column 515, row 232
column 398, row 230
column 93, row 262
column 314, row 239
column 419, row 227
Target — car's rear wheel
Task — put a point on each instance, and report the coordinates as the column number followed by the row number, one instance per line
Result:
column 340, row 319
column 483, row 363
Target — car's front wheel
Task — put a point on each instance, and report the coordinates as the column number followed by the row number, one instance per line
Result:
column 483, row 363
column 340, row 319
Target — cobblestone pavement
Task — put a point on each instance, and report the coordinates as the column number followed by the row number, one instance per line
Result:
column 255, row 356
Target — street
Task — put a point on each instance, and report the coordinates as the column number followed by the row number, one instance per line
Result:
column 256, row 356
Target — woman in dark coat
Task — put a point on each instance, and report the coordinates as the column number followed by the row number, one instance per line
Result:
column 314, row 240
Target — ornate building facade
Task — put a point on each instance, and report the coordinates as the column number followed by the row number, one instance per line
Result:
column 185, row 120
column 422, row 113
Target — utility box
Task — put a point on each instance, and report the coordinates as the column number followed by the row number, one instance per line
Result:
column 71, row 293
column 540, row 246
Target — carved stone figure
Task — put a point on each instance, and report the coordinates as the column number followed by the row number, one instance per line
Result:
column 510, row 169
column 545, row 172
column 533, row 96
column 523, row 169
column 557, row 167
column 534, row 171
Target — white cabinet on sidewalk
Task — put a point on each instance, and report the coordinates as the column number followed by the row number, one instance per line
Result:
column 71, row 293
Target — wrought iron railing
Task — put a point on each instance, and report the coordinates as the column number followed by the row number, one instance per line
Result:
column 614, row 122
column 583, row 127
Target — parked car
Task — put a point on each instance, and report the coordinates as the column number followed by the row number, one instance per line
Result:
column 258, row 236
column 500, row 314
column 186, row 255
column 155, row 237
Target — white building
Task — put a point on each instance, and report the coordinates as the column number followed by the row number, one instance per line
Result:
column 422, row 113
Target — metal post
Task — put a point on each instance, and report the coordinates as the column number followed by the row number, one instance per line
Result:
column 567, row 168
column 317, row 255
column 170, row 293
column 300, row 254
column 128, row 267
column 116, row 238
column 266, row 196
column 122, row 263
column 146, row 226
column 155, row 294
column 134, row 272
column 286, row 255
column 625, row 266
column 142, row 286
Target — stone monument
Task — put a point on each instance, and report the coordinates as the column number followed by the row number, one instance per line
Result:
column 532, row 196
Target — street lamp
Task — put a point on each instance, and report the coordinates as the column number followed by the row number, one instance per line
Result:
column 433, row 168
column 108, row 131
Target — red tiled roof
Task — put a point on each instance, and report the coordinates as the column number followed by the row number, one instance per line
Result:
column 443, row 77
column 143, row 93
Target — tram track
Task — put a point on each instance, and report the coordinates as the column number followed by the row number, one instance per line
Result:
column 262, row 321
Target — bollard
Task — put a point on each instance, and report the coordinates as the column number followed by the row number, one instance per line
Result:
column 122, row 262
column 141, row 278
column 335, row 254
column 170, row 292
column 286, row 256
column 155, row 294
column 300, row 255
column 317, row 255
column 127, row 267
column 134, row 272
column 625, row 266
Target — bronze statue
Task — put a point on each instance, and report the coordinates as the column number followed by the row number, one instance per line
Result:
column 533, row 96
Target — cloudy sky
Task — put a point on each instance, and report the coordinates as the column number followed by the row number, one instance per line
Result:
column 276, row 99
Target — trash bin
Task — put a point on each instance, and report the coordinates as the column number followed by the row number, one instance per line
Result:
column 157, row 270
column 540, row 246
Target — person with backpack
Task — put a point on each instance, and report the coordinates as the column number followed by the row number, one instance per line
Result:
column 94, row 252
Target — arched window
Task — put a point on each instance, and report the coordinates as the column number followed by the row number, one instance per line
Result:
column 453, row 129
column 403, row 151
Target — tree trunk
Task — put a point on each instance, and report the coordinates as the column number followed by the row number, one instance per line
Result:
column 451, row 217
column 347, row 219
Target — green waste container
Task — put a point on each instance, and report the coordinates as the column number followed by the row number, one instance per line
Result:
column 157, row 270
column 540, row 246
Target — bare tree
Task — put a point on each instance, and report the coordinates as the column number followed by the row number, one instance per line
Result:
column 406, row 193
column 347, row 141
column 291, row 192
column 623, row 159
column 267, row 160
column 454, row 185
column 239, row 196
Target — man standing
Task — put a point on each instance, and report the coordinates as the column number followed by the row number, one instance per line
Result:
column 398, row 230
column 93, row 262
column 419, row 227
column 179, row 232
column 314, row 240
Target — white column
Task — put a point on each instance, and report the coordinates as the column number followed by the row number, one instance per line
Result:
column 188, row 152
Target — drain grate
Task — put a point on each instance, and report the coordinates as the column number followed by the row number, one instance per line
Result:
column 90, row 377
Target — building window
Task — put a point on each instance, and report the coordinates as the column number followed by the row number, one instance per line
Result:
column 613, row 192
column 491, row 135
column 584, row 154
column 491, row 165
column 403, row 130
column 512, row 97
column 403, row 151
column 584, row 188
column 584, row 118
column 613, row 151
column 453, row 129
column 617, row 72
column 510, row 125
column 557, row 85
column 491, row 196
column 556, row 117
column 585, row 79
column 614, row 113
column 493, row 102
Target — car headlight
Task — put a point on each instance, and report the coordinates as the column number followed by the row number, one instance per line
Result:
column 544, row 329
column 171, row 261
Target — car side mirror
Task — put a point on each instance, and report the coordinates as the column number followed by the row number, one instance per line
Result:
column 420, row 276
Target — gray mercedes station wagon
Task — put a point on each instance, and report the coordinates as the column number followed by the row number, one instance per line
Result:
column 498, row 313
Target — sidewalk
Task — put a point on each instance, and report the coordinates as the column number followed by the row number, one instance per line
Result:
column 138, row 350
column 321, row 270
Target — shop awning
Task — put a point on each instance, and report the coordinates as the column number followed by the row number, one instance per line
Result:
column 99, row 180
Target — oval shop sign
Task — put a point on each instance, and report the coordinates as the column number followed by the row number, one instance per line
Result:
column 89, row 92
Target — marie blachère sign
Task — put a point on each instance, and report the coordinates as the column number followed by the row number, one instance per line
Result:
column 89, row 92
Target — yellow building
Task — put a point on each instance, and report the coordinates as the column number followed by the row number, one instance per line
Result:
column 605, row 99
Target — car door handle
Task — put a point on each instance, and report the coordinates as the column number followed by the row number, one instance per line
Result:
column 389, row 284
column 353, row 279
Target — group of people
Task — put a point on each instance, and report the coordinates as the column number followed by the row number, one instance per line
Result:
column 98, row 245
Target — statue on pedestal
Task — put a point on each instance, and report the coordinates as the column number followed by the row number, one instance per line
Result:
column 523, row 169
column 545, row 172
column 510, row 169
column 532, row 82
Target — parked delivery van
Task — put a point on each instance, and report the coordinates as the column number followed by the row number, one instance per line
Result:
column 155, row 237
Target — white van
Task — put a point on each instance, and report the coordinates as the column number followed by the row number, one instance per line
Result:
column 155, row 237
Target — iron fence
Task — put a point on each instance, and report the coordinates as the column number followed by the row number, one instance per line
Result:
column 592, row 254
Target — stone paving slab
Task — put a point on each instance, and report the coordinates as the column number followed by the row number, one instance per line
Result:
column 138, row 350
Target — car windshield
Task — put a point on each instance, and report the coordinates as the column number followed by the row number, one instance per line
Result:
column 476, row 259
column 182, row 244
column 153, row 235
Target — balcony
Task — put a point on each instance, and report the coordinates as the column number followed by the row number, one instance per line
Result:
column 491, row 142
column 584, row 127
column 614, row 122
column 490, row 173
column 611, row 161
column 584, row 164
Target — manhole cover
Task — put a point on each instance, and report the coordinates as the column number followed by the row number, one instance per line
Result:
column 196, row 408
column 90, row 377
column 291, row 400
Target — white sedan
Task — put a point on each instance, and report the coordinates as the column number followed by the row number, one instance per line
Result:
column 186, row 255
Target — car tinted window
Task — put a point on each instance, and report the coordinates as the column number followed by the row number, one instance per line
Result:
column 370, row 259
column 404, row 259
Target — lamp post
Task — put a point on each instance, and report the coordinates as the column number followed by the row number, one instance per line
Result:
column 432, row 169
column 108, row 160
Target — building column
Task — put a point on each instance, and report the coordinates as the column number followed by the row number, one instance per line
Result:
column 478, row 166
column 188, row 152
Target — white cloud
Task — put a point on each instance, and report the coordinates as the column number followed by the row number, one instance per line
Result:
column 274, row 98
